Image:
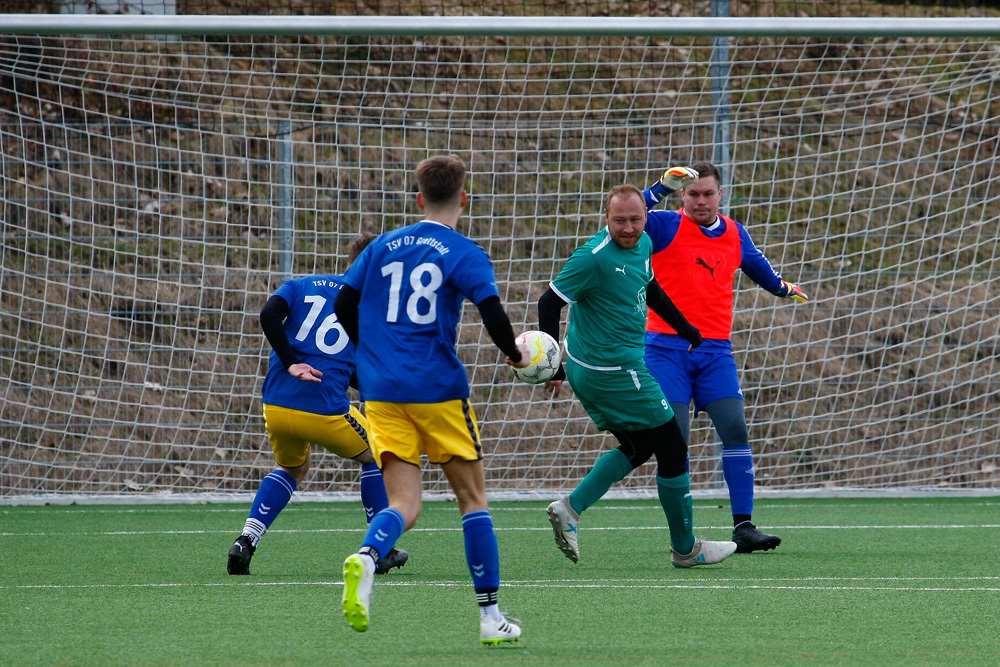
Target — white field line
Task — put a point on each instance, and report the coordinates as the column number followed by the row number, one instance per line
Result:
column 906, row 584
column 359, row 529
column 762, row 506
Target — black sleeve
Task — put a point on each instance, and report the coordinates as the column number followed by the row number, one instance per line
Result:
column 498, row 326
column 550, row 307
column 661, row 304
column 346, row 308
column 272, row 323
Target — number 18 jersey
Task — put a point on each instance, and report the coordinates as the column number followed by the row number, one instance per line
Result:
column 413, row 281
column 319, row 340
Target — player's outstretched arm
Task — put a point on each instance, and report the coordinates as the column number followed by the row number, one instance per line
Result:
column 788, row 290
column 661, row 304
column 673, row 179
column 758, row 269
column 498, row 327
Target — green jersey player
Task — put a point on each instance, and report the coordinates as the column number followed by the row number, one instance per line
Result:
column 609, row 284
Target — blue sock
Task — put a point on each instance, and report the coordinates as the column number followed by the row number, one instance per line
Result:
column 274, row 493
column 737, row 467
column 383, row 531
column 373, row 495
column 482, row 555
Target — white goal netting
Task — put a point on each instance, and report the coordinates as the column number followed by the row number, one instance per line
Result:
column 155, row 190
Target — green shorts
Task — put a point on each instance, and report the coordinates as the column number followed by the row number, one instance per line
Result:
column 620, row 400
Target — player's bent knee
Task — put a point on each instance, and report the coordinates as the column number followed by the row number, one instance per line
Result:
column 364, row 457
column 298, row 473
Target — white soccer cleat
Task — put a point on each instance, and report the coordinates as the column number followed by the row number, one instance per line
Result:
column 494, row 633
column 359, row 576
column 703, row 553
column 564, row 526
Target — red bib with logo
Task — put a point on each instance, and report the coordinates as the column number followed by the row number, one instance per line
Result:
column 696, row 272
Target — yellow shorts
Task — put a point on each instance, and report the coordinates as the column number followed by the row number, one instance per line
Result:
column 292, row 431
column 442, row 431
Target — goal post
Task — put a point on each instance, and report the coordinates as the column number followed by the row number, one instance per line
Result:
column 155, row 191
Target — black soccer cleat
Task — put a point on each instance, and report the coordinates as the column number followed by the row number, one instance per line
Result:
column 395, row 558
column 239, row 555
column 748, row 539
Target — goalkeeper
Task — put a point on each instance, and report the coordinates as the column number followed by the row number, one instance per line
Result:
column 696, row 252
column 305, row 401
column 608, row 281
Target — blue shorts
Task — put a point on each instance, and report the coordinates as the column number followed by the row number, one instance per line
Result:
column 703, row 376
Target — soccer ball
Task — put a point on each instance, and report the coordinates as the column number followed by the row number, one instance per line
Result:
column 545, row 357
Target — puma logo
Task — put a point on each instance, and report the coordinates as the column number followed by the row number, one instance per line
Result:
column 711, row 269
column 621, row 269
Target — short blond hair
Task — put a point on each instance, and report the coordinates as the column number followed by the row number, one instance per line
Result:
column 623, row 190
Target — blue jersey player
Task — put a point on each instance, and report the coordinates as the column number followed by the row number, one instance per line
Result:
column 405, row 292
column 305, row 402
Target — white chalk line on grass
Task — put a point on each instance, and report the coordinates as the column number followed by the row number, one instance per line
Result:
column 725, row 584
column 449, row 506
column 361, row 529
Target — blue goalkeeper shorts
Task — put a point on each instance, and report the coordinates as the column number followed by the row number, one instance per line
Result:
column 701, row 375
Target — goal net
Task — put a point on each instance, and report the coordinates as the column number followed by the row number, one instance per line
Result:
column 156, row 189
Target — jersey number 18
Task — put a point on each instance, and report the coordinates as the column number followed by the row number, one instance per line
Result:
column 428, row 292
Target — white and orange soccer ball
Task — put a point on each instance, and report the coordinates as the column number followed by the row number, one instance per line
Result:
column 545, row 357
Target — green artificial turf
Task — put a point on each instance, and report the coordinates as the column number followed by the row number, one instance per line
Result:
column 855, row 581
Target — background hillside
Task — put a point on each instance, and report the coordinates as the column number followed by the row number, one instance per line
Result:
column 144, row 226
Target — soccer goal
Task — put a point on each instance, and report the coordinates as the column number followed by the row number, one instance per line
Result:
column 162, row 175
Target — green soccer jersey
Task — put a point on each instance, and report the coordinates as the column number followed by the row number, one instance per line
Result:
column 605, row 286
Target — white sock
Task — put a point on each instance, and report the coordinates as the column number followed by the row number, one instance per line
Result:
column 492, row 611
column 255, row 530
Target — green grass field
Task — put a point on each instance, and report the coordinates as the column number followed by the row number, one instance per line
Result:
column 856, row 581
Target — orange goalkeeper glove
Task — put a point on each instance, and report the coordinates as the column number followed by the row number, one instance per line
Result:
column 790, row 291
column 673, row 179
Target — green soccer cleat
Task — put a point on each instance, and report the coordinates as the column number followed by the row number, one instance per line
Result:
column 359, row 575
column 494, row 633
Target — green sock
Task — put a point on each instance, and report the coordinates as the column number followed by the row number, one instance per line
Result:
column 675, row 497
column 609, row 469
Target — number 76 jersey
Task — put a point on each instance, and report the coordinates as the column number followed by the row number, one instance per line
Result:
column 319, row 340
column 413, row 281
